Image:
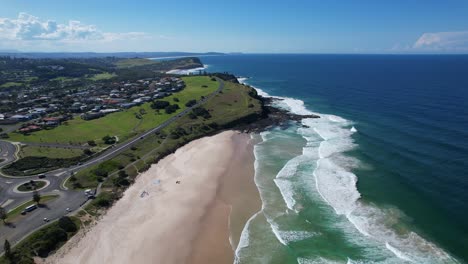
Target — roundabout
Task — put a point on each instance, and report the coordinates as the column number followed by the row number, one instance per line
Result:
column 31, row 186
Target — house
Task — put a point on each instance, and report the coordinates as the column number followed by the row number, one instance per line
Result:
column 20, row 117
column 108, row 111
column 29, row 129
column 92, row 115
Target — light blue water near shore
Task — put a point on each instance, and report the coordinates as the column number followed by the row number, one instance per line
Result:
column 379, row 178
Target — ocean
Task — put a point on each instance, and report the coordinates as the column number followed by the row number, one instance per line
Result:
column 381, row 177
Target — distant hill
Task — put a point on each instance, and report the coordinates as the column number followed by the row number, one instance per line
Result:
column 61, row 55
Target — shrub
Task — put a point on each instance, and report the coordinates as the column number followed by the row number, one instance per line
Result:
column 92, row 143
column 200, row 111
column 52, row 237
column 191, row 103
column 176, row 99
column 160, row 104
column 99, row 171
column 109, row 140
column 88, row 152
column 120, row 182
column 67, row 224
column 171, row 108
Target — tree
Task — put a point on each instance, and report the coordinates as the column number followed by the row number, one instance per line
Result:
column 36, row 197
column 3, row 214
column 7, row 249
column 67, row 224
column 88, row 152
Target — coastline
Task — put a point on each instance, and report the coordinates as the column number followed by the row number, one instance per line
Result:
column 198, row 220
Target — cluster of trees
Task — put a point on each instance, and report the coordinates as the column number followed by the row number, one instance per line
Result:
column 168, row 107
column 41, row 243
column 109, row 140
column 191, row 103
column 199, row 111
column 121, row 180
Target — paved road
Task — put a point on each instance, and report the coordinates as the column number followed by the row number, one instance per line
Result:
column 7, row 152
column 68, row 198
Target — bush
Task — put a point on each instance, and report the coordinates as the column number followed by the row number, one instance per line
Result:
column 67, row 224
column 171, row 108
column 191, row 103
column 92, row 143
column 88, row 152
column 99, row 171
column 122, row 174
column 200, row 111
column 176, row 99
column 120, row 182
column 109, row 140
column 51, row 238
column 160, row 104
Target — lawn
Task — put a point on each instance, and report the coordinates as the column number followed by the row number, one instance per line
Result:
column 50, row 152
column 102, row 76
column 123, row 124
column 10, row 84
column 134, row 62
column 64, row 79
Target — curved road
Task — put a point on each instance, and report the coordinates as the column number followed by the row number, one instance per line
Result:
column 72, row 199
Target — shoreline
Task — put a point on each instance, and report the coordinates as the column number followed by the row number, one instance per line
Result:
column 198, row 220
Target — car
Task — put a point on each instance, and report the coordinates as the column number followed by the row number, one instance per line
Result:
column 46, row 219
column 42, row 176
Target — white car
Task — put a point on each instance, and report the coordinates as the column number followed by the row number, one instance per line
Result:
column 46, row 219
column 68, row 210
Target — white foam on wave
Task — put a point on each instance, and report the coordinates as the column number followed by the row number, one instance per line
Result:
column 318, row 260
column 327, row 138
column 187, row 71
column 244, row 240
column 284, row 183
column 336, row 184
column 288, row 236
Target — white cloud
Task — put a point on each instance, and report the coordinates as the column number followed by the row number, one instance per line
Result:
column 443, row 41
column 30, row 28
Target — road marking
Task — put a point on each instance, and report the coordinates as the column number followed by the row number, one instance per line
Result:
column 7, row 202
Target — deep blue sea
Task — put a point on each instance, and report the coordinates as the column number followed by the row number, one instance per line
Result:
column 381, row 177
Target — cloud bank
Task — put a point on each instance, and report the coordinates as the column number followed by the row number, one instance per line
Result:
column 443, row 41
column 27, row 30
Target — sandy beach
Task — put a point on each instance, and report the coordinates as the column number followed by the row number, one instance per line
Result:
column 198, row 220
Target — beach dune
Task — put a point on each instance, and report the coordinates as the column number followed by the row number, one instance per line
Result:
column 184, row 209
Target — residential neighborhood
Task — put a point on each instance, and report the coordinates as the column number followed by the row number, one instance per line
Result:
column 38, row 110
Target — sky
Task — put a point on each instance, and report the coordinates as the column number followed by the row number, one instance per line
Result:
column 288, row 26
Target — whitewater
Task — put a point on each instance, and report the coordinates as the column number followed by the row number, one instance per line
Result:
column 324, row 170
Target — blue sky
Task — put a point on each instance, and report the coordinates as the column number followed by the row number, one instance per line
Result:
column 406, row 26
